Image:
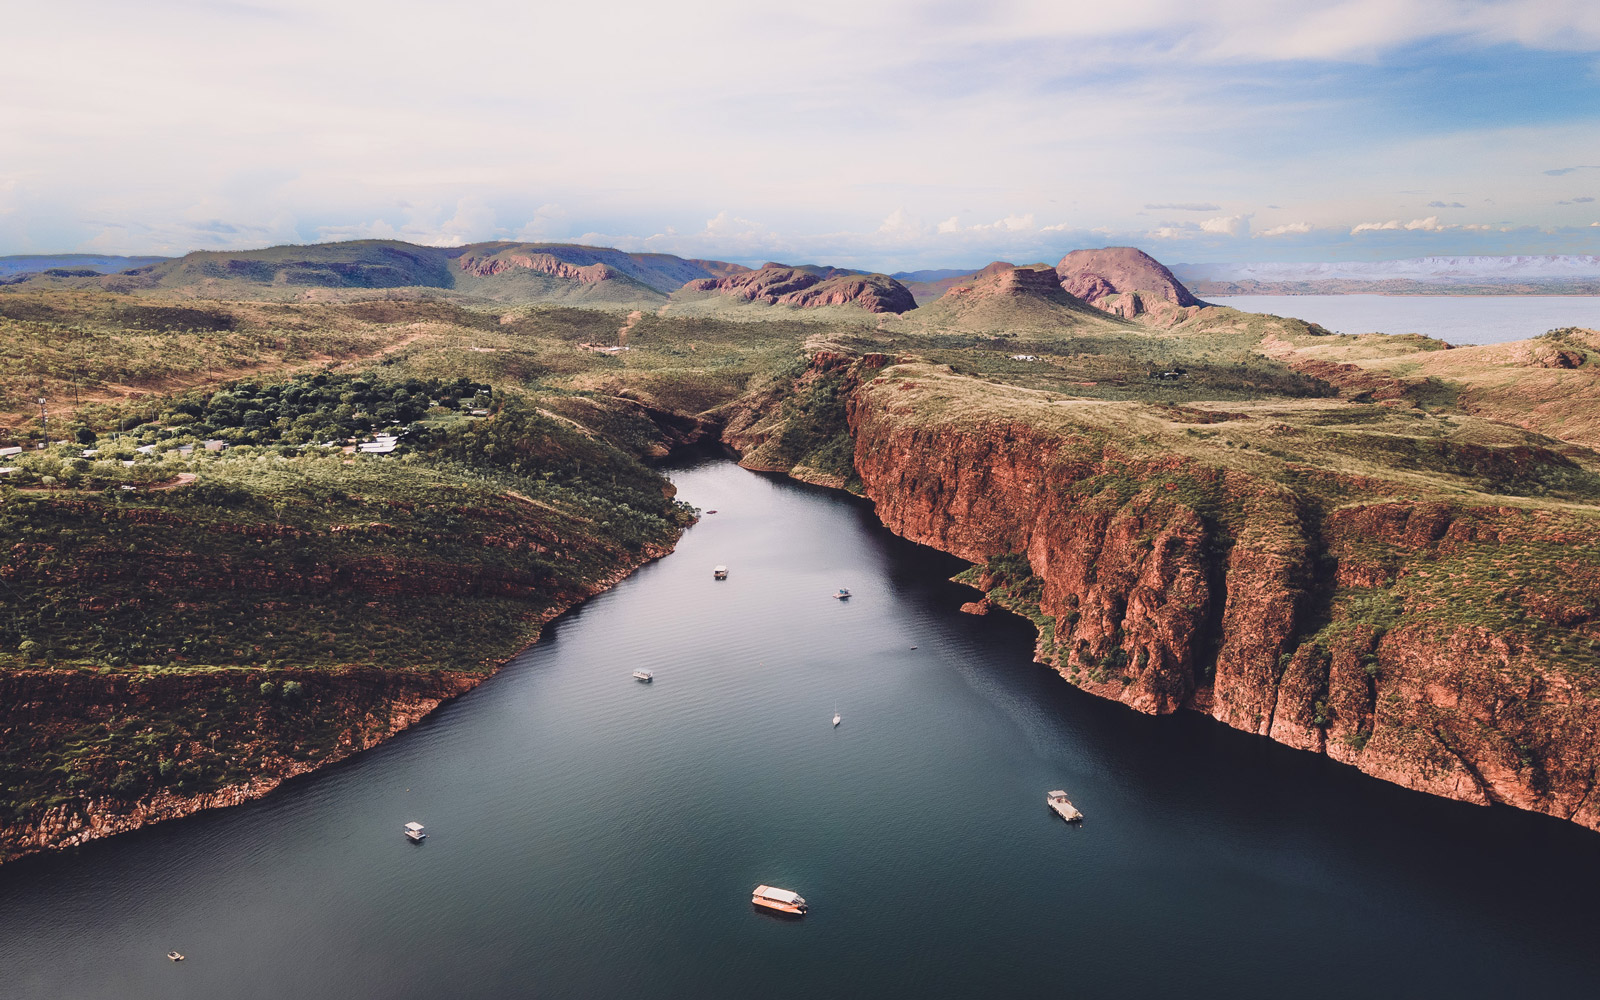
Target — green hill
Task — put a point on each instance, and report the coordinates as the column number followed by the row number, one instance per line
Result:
column 496, row 271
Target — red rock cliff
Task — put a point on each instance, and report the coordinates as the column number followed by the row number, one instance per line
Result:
column 1172, row 584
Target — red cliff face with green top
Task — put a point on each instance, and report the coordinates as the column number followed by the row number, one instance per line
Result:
column 1409, row 639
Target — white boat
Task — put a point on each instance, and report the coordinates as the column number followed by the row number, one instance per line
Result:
column 1063, row 807
column 415, row 832
column 643, row 675
column 836, row 715
column 175, row 956
column 720, row 572
column 779, row 900
column 842, row 595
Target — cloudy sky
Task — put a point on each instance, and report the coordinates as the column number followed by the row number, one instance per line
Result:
column 876, row 132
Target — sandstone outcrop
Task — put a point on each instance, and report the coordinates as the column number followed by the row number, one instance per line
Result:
column 1166, row 584
column 1127, row 282
column 488, row 266
column 776, row 284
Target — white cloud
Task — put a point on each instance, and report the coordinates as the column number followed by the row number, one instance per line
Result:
column 1228, row 225
column 1287, row 229
column 474, row 221
column 550, row 221
column 321, row 122
column 1222, row 225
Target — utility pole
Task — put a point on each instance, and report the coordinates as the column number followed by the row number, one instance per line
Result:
column 44, row 420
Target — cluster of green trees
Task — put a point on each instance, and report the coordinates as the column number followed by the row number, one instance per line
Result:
column 321, row 407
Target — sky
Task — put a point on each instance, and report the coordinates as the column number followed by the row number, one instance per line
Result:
column 877, row 133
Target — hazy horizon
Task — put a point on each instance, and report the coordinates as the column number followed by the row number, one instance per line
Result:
column 899, row 136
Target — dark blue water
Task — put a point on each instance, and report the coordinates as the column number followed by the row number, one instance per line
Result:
column 596, row 837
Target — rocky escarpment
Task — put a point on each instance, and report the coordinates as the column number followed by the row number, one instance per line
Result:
column 776, row 284
column 486, row 266
column 186, row 741
column 1011, row 281
column 1127, row 282
column 266, row 738
column 1447, row 647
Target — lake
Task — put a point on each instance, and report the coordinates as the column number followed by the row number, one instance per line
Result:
column 592, row 836
column 1457, row 319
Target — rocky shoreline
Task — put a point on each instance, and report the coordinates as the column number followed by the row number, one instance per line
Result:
column 375, row 705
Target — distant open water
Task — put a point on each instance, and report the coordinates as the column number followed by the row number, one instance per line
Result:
column 1455, row 319
column 591, row 836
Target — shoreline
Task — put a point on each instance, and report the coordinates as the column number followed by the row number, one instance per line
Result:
column 74, row 824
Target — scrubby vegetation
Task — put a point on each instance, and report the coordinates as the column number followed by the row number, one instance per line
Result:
column 261, row 568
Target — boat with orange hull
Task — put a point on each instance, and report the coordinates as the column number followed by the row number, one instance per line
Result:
column 779, row 901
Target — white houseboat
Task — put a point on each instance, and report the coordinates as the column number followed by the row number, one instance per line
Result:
column 1063, row 807
column 643, row 675
column 720, row 572
column 415, row 832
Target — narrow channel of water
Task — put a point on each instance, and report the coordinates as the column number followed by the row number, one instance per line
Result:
column 592, row 836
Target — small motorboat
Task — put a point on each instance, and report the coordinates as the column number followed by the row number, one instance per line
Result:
column 842, row 595
column 643, row 675
column 415, row 832
column 836, row 716
column 720, row 572
column 175, row 956
column 710, row 512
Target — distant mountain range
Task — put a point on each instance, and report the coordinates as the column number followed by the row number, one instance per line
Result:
column 1120, row 280
column 81, row 262
column 1573, row 274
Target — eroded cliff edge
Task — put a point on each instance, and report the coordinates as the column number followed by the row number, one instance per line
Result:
column 1445, row 644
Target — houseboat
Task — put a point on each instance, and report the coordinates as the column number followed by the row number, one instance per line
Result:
column 643, row 675
column 175, row 956
column 779, row 901
column 842, row 595
column 415, row 833
column 720, row 572
column 1063, row 807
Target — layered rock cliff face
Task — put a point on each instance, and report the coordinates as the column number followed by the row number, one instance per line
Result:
column 485, row 266
column 1010, row 281
column 1404, row 638
column 776, row 284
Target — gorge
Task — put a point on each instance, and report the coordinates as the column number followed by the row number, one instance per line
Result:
column 1377, row 549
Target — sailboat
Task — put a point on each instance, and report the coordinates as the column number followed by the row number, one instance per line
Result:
column 836, row 713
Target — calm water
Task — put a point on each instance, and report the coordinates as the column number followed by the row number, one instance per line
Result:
column 1457, row 319
column 596, row 837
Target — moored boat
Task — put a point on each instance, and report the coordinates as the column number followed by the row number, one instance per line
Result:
column 1063, row 807
column 778, row 900
column 720, row 572
column 643, row 675
column 842, row 595
column 415, row 832
column 175, row 956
